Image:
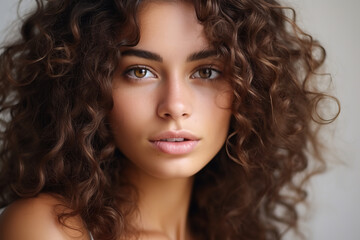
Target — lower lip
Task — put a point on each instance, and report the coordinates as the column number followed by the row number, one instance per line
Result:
column 175, row 148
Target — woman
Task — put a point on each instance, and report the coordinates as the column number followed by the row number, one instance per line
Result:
column 156, row 120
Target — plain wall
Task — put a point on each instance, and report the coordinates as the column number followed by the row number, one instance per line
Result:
column 335, row 195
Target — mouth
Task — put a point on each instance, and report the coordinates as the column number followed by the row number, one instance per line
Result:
column 174, row 139
column 175, row 143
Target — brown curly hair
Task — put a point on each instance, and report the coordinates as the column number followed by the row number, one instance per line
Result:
column 55, row 96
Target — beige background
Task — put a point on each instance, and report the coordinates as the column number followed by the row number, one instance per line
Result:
column 335, row 196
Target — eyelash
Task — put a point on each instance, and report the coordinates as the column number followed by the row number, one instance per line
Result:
column 212, row 71
column 130, row 73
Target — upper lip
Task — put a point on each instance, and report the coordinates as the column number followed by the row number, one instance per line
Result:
column 175, row 134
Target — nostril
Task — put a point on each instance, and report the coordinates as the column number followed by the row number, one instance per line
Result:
column 174, row 109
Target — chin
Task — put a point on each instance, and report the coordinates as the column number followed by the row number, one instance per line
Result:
column 176, row 171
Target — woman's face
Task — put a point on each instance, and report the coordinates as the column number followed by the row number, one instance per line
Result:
column 171, row 102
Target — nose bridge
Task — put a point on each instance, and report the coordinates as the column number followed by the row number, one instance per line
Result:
column 176, row 98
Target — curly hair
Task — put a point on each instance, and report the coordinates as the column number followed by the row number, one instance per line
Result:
column 55, row 96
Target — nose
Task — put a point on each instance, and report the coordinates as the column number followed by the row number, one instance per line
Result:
column 175, row 101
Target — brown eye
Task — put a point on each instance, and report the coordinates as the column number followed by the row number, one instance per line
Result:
column 206, row 73
column 139, row 73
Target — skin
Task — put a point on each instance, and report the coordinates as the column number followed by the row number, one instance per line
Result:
column 180, row 89
column 171, row 96
column 170, row 89
column 36, row 219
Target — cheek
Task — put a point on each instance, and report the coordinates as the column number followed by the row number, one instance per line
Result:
column 222, row 114
column 124, row 116
column 215, row 114
column 129, row 106
column 118, row 113
column 213, row 105
column 224, row 99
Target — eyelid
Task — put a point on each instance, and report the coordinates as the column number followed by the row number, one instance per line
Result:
column 134, row 67
column 211, row 67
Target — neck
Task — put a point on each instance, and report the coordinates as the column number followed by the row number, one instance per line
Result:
column 163, row 206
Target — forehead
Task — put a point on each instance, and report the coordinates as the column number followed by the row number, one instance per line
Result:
column 170, row 24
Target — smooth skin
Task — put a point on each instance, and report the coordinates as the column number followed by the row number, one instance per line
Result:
column 36, row 219
column 174, row 91
column 172, row 81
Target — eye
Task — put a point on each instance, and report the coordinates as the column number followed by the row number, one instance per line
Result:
column 139, row 73
column 206, row 73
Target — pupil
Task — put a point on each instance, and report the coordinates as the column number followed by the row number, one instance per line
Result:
column 140, row 72
column 205, row 73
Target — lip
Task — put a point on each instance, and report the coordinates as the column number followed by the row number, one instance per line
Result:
column 175, row 148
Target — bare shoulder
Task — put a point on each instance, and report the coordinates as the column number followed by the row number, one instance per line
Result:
column 36, row 218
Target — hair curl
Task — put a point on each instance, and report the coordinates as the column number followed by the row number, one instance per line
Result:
column 55, row 96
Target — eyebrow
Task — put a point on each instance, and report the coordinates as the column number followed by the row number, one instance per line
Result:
column 142, row 54
column 203, row 54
